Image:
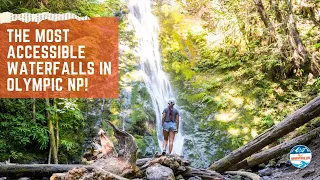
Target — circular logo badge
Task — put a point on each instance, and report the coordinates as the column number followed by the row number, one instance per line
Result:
column 300, row 156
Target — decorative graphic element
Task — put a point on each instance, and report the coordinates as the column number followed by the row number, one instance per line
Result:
column 300, row 156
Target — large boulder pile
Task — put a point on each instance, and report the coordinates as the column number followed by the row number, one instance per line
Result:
column 173, row 167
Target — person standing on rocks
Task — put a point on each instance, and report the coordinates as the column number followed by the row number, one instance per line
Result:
column 170, row 124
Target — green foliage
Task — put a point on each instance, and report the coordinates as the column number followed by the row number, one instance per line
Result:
column 140, row 116
column 80, row 7
column 15, row 155
column 141, row 145
column 115, row 110
column 19, row 130
column 317, row 83
column 266, row 122
column 138, row 121
column 317, row 45
column 228, row 73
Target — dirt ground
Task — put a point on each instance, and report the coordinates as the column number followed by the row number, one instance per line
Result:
column 311, row 172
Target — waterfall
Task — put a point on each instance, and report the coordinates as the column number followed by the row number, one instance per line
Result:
column 158, row 86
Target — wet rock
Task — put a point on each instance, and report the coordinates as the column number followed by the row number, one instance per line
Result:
column 181, row 169
column 308, row 173
column 262, row 166
column 185, row 162
column 236, row 177
column 24, row 178
column 272, row 163
column 159, row 172
column 195, row 178
column 157, row 154
column 175, row 166
column 227, row 177
column 266, row 178
column 296, row 172
column 148, row 154
column 265, row 172
column 176, row 163
column 283, row 162
column 179, row 177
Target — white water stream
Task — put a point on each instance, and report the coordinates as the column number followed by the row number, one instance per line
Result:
column 156, row 80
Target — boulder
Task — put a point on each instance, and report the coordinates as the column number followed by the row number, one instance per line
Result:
column 159, row 172
column 265, row 172
column 179, row 177
column 236, row 177
column 266, row 178
column 195, row 178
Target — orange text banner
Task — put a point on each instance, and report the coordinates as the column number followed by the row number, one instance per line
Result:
column 63, row 59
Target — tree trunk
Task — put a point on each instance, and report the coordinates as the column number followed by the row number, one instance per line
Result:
column 315, row 64
column 300, row 52
column 276, row 151
column 49, row 157
column 33, row 170
column 143, row 161
column 57, row 136
column 279, row 18
column 44, row 170
column 34, row 109
column 275, row 7
column 298, row 118
column 51, row 134
column 265, row 18
column 57, row 126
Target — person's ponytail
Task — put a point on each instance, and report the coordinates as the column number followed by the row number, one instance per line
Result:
column 171, row 113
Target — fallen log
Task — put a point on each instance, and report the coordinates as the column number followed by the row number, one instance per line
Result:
column 141, row 162
column 252, row 176
column 295, row 120
column 276, row 151
column 202, row 173
column 44, row 170
column 98, row 171
column 34, row 170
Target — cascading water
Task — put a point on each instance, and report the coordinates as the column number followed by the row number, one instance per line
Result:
column 156, row 81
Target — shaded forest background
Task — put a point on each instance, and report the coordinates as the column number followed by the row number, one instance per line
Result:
column 238, row 68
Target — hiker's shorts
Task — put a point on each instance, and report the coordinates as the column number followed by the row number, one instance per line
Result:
column 169, row 126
